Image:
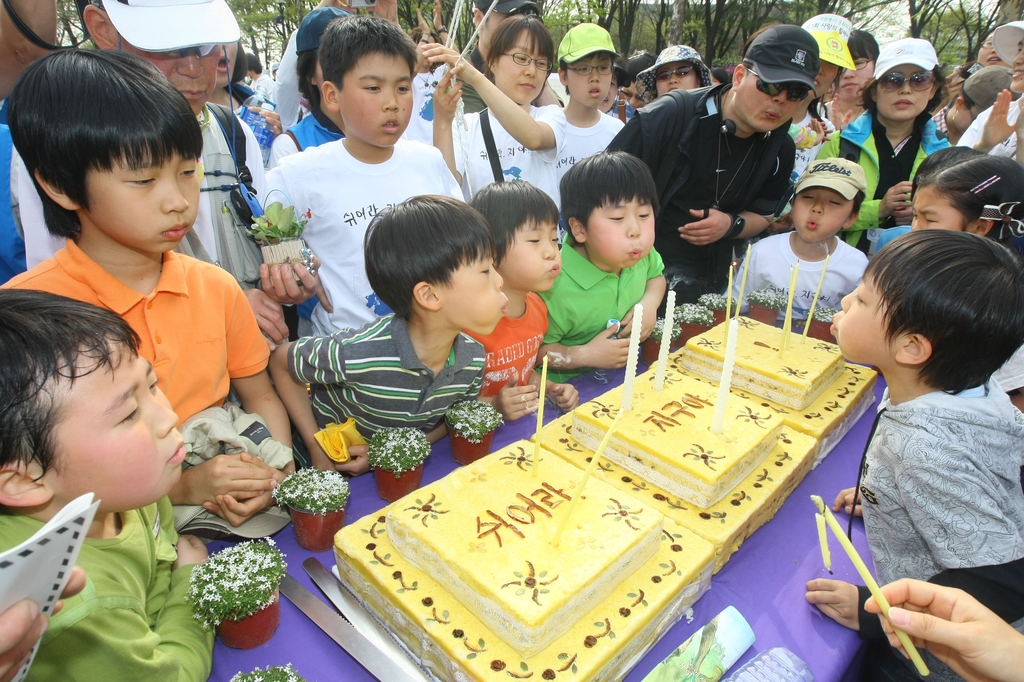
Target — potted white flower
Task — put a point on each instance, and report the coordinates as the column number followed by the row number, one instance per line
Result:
column 821, row 325
column 765, row 304
column 235, row 591
column 717, row 304
column 471, row 424
column 397, row 456
column 693, row 319
column 316, row 501
column 272, row 673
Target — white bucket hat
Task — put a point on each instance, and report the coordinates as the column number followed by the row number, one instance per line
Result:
column 162, row 25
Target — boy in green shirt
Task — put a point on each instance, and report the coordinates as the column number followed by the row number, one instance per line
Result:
column 81, row 412
column 608, row 265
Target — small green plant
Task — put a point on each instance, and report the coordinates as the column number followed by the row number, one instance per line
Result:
column 659, row 329
column 472, row 419
column 313, row 491
column 272, row 673
column 398, row 450
column 822, row 314
column 691, row 313
column 278, row 223
column 769, row 297
column 715, row 302
column 236, row 582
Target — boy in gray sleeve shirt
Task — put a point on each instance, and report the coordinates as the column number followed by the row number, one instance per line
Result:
column 937, row 312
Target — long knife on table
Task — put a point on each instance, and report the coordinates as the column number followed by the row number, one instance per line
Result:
column 356, row 614
column 341, row 631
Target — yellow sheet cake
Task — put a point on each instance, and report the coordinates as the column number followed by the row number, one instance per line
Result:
column 436, row 627
column 729, row 522
column 834, row 412
column 795, row 380
column 666, row 437
column 485, row 532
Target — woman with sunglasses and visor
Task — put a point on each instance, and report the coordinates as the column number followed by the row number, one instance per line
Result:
column 528, row 140
column 893, row 135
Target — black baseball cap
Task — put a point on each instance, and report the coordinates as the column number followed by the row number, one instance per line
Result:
column 509, row 6
column 785, row 54
column 312, row 28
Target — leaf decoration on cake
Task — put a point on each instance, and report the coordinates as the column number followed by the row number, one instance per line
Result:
column 621, row 512
column 749, row 416
column 531, row 582
column 799, row 373
column 764, row 345
column 591, row 640
column 827, row 347
column 571, row 662
column 832, row 405
column 474, row 650
column 739, row 498
column 428, row 510
column 519, row 460
column 774, row 408
column 706, row 456
column 762, row 477
column 601, row 410
column 709, row 343
column 781, row 458
column 638, row 597
column 569, row 445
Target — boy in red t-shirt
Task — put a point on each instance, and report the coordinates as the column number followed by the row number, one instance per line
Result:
column 525, row 224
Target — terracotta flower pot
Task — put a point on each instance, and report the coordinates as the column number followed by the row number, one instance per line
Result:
column 821, row 330
column 465, row 452
column 252, row 631
column 391, row 487
column 649, row 351
column 763, row 314
column 719, row 316
column 315, row 532
column 691, row 329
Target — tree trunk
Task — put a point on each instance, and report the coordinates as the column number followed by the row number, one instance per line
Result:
column 675, row 35
column 1010, row 10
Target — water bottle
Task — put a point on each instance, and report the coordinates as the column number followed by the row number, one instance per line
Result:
column 264, row 133
column 248, row 116
column 774, row 665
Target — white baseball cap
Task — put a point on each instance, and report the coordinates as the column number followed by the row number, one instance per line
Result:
column 906, row 51
column 162, row 25
column 1006, row 38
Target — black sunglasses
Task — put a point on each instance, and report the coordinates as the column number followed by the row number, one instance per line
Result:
column 795, row 92
column 894, row 80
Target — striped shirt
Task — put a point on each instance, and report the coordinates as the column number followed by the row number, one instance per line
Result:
column 374, row 376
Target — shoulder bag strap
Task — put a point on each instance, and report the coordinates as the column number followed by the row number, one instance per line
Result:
column 492, row 150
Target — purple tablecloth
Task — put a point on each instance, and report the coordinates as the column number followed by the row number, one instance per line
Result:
column 764, row 580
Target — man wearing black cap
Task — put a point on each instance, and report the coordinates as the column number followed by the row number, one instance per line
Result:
column 503, row 10
column 722, row 157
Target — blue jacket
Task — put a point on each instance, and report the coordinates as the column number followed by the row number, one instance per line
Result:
column 12, row 246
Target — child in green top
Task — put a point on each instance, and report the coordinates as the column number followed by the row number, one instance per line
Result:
column 82, row 413
column 608, row 265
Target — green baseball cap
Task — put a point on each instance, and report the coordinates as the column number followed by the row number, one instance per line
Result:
column 583, row 40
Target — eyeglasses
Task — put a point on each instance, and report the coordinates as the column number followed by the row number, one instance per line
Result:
column 861, row 64
column 586, row 70
column 894, row 80
column 681, row 72
column 795, row 92
column 525, row 60
column 199, row 51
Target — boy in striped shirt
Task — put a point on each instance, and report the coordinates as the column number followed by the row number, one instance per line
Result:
column 407, row 368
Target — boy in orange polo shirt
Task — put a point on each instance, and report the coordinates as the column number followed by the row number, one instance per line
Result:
column 121, row 183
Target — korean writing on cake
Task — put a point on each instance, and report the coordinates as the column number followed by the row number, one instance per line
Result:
column 683, row 406
column 548, row 497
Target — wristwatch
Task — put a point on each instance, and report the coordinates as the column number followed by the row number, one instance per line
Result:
column 738, row 223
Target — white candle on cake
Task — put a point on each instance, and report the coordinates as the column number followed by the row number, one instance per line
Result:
column 634, row 355
column 814, row 302
column 666, row 340
column 743, row 281
column 718, row 420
